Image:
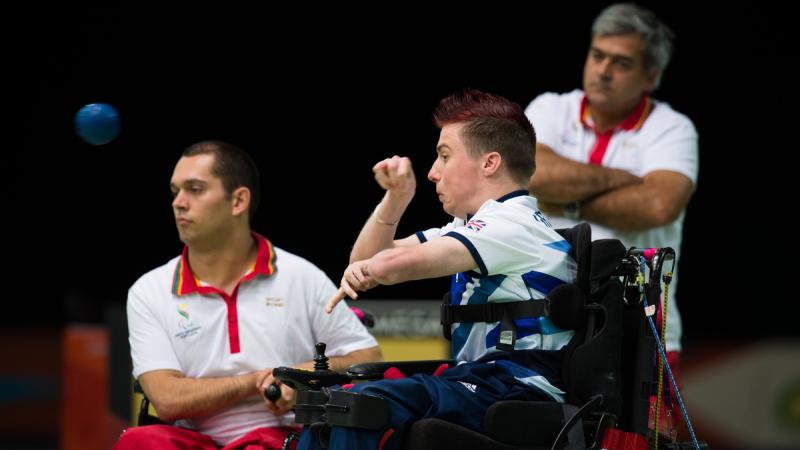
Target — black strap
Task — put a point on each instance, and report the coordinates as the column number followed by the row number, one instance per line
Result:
column 446, row 331
column 505, row 313
column 492, row 312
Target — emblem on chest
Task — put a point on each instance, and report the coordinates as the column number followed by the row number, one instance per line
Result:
column 274, row 301
column 185, row 324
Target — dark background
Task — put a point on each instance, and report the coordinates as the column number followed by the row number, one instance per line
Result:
column 318, row 96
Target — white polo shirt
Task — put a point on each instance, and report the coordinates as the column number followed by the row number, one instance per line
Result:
column 654, row 137
column 273, row 318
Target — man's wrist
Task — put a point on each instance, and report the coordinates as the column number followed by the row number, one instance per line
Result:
column 382, row 220
column 572, row 211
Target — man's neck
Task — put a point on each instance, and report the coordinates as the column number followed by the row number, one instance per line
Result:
column 501, row 188
column 493, row 191
column 224, row 263
column 607, row 118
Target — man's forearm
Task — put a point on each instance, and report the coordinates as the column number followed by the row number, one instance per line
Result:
column 378, row 233
column 629, row 209
column 177, row 397
column 562, row 180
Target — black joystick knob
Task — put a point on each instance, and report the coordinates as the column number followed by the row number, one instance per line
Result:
column 273, row 392
column 320, row 360
column 306, row 380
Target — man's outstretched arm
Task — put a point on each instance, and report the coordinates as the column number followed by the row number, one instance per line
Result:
column 437, row 258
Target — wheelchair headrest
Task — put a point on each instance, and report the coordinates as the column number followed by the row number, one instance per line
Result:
column 580, row 239
column 566, row 307
column 607, row 254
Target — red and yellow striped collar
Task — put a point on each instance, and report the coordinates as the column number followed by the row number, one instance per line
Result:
column 633, row 122
column 185, row 282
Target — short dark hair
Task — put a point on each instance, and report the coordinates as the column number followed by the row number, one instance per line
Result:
column 492, row 123
column 624, row 18
column 233, row 166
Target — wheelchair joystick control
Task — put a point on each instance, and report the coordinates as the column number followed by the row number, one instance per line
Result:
column 272, row 392
column 320, row 360
column 320, row 377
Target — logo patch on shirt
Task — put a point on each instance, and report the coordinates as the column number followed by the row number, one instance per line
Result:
column 629, row 144
column 274, row 301
column 182, row 311
column 476, row 225
column 185, row 323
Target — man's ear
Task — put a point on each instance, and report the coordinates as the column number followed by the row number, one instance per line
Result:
column 491, row 163
column 240, row 200
column 651, row 78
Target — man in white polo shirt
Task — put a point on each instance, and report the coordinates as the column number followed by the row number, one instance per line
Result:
column 612, row 155
column 207, row 328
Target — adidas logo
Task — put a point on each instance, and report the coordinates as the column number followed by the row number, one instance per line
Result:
column 469, row 386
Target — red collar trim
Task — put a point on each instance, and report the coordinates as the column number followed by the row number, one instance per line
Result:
column 633, row 122
column 185, row 282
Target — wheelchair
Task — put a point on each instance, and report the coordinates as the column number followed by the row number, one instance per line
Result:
column 607, row 367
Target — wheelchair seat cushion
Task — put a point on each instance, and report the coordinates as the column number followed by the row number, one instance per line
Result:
column 526, row 423
column 439, row 434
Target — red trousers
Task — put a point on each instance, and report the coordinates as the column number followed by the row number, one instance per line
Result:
column 167, row 437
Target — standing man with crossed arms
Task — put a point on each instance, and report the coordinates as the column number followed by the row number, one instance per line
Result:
column 612, row 155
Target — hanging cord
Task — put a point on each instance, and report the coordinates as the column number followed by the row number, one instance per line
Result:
column 641, row 284
column 640, row 281
column 659, row 395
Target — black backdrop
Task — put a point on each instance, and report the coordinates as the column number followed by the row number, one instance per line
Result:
column 318, row 96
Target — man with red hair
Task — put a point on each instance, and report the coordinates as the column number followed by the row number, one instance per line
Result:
column 499, row 249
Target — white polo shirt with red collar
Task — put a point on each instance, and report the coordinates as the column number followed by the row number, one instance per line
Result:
column 653, row 137
column 273, row 318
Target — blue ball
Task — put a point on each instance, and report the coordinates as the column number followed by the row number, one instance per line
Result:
column 97, row 123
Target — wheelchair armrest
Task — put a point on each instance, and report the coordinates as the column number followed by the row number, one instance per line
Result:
column 304, row 380
column 375, row 371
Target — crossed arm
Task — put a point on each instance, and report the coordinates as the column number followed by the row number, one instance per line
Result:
column 175, row 396
column 612, row 197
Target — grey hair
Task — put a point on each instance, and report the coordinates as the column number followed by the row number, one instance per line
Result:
column 624, row 18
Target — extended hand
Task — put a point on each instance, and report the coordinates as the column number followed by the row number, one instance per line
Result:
column 356, row 278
